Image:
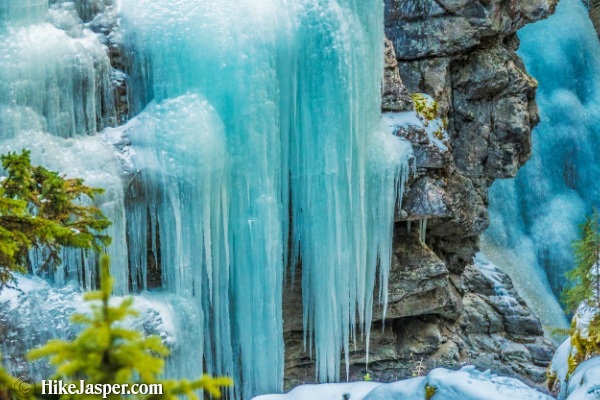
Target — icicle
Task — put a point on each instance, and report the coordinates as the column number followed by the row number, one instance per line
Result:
column 247, row 110
column 422, row 230
column 297, row 88
column 389, row 162
column 177, row 212
column 328, row 168
column 69, row 93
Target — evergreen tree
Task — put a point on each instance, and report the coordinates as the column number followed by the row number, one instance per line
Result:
column 585, row 277
column 584, row 288
column 42, row 210
column 107, row 353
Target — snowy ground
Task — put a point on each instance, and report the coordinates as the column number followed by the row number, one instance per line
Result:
column 584, row 384
column 439, row 384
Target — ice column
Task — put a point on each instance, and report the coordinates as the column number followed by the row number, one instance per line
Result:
column 255, row 112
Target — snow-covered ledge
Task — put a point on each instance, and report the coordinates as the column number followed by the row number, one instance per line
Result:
column 440, row 384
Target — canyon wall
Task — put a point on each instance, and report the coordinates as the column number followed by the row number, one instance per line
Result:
column 445, row 309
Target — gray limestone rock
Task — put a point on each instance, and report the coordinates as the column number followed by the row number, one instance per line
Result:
column 434, row 28
column 494, row 113
column 419, row 282
column 395, row 97
column 435, row 319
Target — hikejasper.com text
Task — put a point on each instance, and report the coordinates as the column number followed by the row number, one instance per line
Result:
column 58, row 388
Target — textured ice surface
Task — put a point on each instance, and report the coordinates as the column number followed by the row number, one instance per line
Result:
column 22, row 11
column 255, row 129
column 177, row 206
column 26, row 313
column 93, row 160
column 289, row 94
column 53, row 79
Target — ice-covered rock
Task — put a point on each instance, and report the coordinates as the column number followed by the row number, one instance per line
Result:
column 35, row 312
column 585, row 382
column 465, row 384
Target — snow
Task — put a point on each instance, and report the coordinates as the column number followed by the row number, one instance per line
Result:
column 466, row 384
column 38, row 312
column 404, row 118
column 406, row 389
column 584, row 316
column 394, row 120
column 585, row 382
column 488, row 269
column 560, row 365
column 326, row 391
column 92, row 159
column 75, row 78
column 471, row 384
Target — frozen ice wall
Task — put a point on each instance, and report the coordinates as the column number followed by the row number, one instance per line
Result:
column 25, row 312
column 55, row 80
column 255, row 144
column 93, row 160
column 260, row 122
column 535, row 216
column 52, row 79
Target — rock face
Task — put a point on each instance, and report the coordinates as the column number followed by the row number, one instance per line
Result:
column 436, row 319
column 444, row 310
column 395, row 96
column 434, row 28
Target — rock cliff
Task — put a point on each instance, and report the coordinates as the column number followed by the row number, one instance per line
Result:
column 444, row 310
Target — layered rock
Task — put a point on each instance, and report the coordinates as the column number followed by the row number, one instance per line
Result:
column 443, row 310
column 435, row 319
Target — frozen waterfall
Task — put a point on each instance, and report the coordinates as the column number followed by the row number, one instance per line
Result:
column 288, row 94
column 55, row 80
column 22, row 11
column 254, row 145
column 535, row 216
